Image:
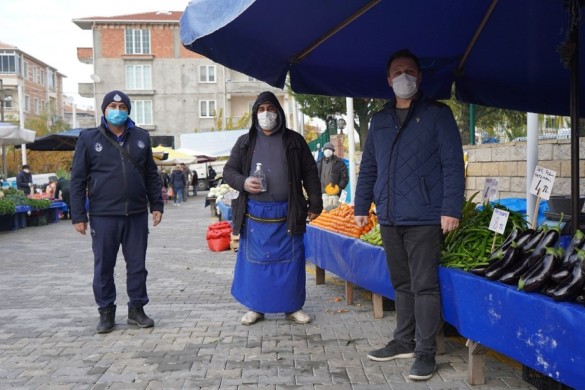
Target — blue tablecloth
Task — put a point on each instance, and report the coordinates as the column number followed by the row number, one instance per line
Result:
column 531, row 328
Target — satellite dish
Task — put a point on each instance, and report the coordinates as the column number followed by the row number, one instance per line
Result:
column 95, row 78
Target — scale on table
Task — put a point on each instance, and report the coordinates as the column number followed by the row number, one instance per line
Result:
column 560, row 214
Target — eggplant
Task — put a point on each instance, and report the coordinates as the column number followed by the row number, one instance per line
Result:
column 567, row 263
column 572, row 286
column 519, row 240
column 497, row 268
column 537, row 276
column 479, row 271
column 548, row 240
column 534, row 239
column 559, row 274
column 508, row 241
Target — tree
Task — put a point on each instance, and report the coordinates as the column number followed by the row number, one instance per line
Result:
column 323, row 107
column 241, row 123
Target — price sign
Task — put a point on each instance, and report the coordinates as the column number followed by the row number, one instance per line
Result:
column 490, row 189
column 542, row 182
column 499, row 221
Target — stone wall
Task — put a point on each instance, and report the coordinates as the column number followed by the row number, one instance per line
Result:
column 507, row 162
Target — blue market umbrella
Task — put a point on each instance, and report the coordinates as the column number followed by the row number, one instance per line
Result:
column 504, row 54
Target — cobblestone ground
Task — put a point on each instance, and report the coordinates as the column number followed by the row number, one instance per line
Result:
column 48, row 318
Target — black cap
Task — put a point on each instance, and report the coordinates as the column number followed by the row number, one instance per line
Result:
column 116, row 96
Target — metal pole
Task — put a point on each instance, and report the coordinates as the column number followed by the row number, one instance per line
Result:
column 574, row 91
column 472, row 124
column 4, row 168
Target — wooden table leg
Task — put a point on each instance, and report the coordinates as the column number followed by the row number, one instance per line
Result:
column 319, row 275
column 348, row 293
column 476, row 363
column 378, row 304
column 441, row 350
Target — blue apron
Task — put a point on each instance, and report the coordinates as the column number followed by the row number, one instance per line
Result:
column 270, row 265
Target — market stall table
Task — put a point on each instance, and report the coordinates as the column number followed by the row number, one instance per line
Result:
column 528, row 327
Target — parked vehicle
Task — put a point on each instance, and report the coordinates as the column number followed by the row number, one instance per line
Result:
column 203, row 181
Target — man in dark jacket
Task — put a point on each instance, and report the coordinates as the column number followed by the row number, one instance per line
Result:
column 24, row 180
column 332, row 169
column 113, row 166
column 412, row 169
column 270, row 267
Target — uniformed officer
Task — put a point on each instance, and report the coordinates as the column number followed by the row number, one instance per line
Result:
column 113, row 166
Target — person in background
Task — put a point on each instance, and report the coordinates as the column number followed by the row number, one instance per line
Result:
column 63, row 192
column 412, row 169
column 51, row 188
column 114, row 166
column 24, row 180
column 269, row 275
column 211, row 174
column 194, row 181
column 165, row 180
column 332, row 170
column 178, row 182
column 187, row 173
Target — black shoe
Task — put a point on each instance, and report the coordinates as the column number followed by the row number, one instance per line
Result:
column 423, row 368
column 136, row 316
column 107, row 319
column 392, row 351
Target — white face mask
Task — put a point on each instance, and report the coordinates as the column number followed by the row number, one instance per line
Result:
column 328, row 153
column 267, row 120
column 404, row 86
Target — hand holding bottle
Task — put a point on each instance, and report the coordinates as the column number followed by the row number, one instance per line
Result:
column 253, row 185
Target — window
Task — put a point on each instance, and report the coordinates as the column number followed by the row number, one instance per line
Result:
column 137, row 41
column 27, row 103
column 37, row 106
column 206, row 108
column 142, row 112
column 34, row 75
column 9, row 63
column 51, row 79
column 138, row 77
column 207, row 74
column 25, row 71
column 41, row 77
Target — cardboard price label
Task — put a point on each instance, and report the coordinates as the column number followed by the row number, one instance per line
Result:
column 490, row 189
column 499, row 221
column 542, row 182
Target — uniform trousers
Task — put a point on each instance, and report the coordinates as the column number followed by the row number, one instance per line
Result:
column 108, row 233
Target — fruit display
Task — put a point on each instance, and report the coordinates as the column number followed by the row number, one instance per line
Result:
column 341, row 220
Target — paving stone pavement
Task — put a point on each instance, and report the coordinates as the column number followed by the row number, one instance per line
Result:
column 48, row 318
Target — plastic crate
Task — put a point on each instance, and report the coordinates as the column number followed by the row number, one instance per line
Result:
column 541, row 381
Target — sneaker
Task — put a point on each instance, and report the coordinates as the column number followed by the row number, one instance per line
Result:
column 299, row 316
column 423, row 368
column 392, row 351
column 251, row 317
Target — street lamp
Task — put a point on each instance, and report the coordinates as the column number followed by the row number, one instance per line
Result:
column 341, row 124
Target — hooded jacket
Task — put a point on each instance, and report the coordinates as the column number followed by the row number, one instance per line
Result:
column 414, row 173
column 114, row 185
column 302, row 171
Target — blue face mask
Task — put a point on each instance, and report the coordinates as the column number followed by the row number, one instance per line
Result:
column 117, row 117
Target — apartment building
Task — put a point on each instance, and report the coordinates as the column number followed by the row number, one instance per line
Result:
column 173, row 90
column 30, row 83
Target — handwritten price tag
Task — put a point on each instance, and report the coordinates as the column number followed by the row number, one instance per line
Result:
column 490, row 189
column 499, row 221
column 542, row 182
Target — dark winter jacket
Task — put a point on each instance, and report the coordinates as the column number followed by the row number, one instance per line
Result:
column 178, row 179
column 302, row 172
column 339, row 175
column 22, row 181
column 114, row 185
column 414, row 173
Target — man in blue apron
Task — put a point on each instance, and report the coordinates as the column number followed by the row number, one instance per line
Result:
column 270, row 268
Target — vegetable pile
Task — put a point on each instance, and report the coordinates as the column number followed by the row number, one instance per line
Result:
column 341, row 220
column 470, row 245
column 531, row 261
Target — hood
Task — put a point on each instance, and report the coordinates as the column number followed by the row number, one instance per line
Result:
column 268, row 97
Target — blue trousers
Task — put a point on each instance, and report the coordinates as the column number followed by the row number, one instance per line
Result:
column 413, row 256
column 108, row 233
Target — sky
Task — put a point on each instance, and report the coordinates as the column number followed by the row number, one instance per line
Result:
column 45, row 30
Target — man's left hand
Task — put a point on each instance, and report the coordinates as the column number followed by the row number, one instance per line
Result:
column 156, row 217
column 449, row 223
column 312, row 216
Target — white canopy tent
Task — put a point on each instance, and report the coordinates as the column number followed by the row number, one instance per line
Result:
column 12, row 134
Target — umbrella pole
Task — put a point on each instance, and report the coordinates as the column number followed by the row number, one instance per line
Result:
column 574, row 111
column 4, row 168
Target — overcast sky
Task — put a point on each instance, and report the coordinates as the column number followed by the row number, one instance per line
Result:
column 44, row 30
